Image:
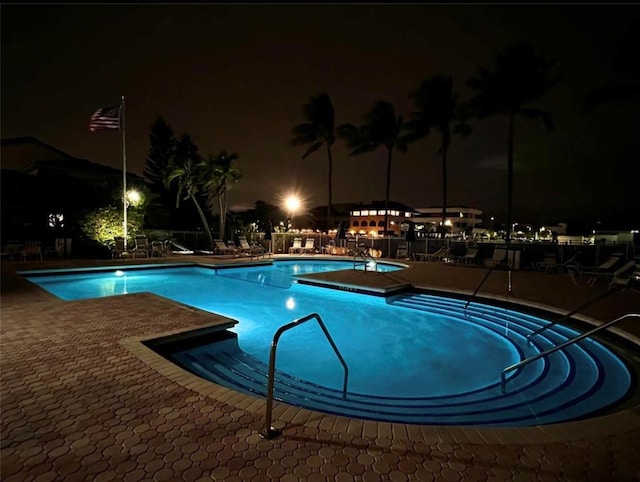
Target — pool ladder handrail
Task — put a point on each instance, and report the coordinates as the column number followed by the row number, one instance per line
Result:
column 268, row 431
column 466, row 305
column 364, row 255
column 560, row 347
column 574, row 311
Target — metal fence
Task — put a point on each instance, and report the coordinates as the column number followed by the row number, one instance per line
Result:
column 529, row 253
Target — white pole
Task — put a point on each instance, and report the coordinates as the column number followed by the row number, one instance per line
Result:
column 124, row 172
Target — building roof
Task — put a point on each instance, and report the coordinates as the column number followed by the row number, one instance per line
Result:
column 30, row 155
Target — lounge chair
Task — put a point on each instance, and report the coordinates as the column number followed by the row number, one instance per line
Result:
column 610, row 274
column 577, row 270
column 624, row 275
column 296, row 247
column 549, row 263
column 309, row 246
column 246, row 248
column 222, row 248
column 498, row 258
column 431, row 256
column 439, row 255
column 470, row 257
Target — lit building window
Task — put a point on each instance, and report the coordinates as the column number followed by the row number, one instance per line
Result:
column 407, row 215
column 364, row 213
column 381, row 212
column 356, row 213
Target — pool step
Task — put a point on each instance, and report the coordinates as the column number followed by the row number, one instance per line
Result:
column 548, row 390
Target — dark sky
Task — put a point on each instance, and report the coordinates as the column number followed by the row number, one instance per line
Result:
column 235, row 77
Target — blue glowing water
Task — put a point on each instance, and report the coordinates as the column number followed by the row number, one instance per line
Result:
column 389, row 349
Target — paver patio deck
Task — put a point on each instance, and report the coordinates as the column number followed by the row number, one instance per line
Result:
column 83, row 399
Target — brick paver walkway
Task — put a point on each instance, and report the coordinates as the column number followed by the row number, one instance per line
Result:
column 83, row 399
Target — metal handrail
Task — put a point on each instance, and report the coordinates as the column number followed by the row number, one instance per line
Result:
column 561, row 346
column 478, row 288
column 364, row 255
column 574, row 311
column 268, row 431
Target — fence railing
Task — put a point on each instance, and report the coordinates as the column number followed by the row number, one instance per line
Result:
column 398, row 248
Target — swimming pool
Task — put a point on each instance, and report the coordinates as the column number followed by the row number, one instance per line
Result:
column 412, row 357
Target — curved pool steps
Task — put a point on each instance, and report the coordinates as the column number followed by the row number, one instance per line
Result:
column 549, row 390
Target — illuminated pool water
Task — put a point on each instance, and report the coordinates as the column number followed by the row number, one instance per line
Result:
column 412, row 357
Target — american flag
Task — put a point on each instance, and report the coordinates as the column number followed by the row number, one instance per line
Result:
column 105, row 118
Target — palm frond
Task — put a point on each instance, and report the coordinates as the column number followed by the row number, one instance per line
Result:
column 303, row 134
column 312, row 148
column 364, row 147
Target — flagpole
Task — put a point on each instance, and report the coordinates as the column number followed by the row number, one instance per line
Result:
column 124, row 172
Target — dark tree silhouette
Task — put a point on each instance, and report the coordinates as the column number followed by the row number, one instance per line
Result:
column 161, row 152
column 519, row 77
column 188, row 173
column 439, row 109
column 382, row 127
column 220, row 173
column 318, row 130
column 158, row 165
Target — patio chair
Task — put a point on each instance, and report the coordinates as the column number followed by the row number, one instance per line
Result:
column 31, row 249
column 498, row 258
column 117, row 249
column 470, row 257
column 428, row 256
column 439, row 255
column 309, row 246
column 296, row 247
column 610, row 273
column 221, row 248
column 623, row 275
column 577, row 270
column 548, row 264
column 158, row 249
column 246, row 248
column 141, row 246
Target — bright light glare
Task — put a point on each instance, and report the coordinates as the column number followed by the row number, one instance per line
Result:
column 290, row 303
column 292, row 203
column 133, row 197
column 119, row 273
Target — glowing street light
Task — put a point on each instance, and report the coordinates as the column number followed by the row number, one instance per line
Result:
column 292, row 204
column 133, row 197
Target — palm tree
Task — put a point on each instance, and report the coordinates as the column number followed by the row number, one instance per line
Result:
column 220, row 174
column 158, row 165
column 438, row 108
column 519, row 78
column 318, row 130
column 382, row 127
column 188, row 172
column 625, row 62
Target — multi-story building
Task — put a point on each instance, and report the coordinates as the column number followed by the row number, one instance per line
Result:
column 458, row 218
column 369, row 218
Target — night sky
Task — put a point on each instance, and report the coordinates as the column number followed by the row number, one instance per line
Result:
column 236, row 77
